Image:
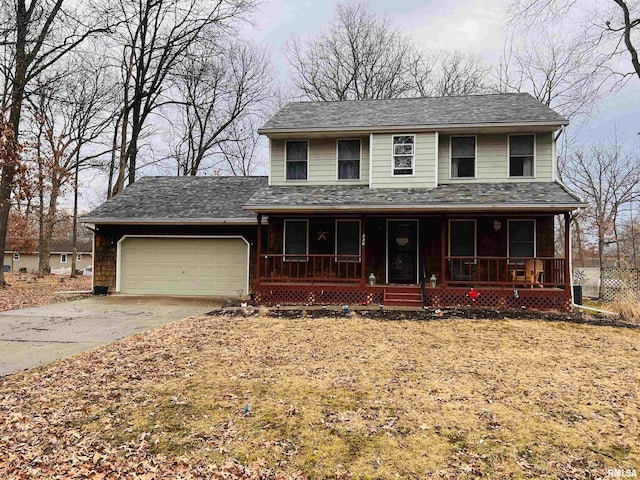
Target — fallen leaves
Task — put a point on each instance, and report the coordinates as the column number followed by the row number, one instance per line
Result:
column 27, row 290
column 265, row 398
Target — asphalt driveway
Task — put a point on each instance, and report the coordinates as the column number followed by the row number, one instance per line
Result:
column 35, row 336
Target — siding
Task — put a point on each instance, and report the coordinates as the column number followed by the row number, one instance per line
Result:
column 492, row 161
column 424, row 162
column 30, row 262
column 322, row 168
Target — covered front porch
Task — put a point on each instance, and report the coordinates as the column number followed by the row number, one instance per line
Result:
column 510, row 259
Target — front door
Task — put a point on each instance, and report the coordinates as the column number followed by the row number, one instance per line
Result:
column 402, row 251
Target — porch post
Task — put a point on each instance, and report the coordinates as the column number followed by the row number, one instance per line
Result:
column 567, row 251
column 259, row 249
column 443, row 251
column 363, row 249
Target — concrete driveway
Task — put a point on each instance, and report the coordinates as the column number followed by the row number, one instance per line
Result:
column 39, row 335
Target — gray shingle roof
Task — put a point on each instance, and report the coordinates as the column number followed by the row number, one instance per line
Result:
column 511, row 108
column 180, row 200
column 460, row 196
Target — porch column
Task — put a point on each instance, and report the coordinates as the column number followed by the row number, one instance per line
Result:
column 443, row 251
column 363, row 250
column 567, row 251
column 259, row 249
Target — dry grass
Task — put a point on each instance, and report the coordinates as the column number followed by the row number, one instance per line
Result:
column 339, row 398
column 26, row 290
column 627, row 304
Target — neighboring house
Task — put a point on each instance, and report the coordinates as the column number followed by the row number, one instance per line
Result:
column 60, row 257
column 365, row 201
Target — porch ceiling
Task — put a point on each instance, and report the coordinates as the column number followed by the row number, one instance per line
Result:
column 517, row 197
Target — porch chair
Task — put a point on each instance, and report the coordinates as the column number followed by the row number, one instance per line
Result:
column 532, row 274
column 462, row 271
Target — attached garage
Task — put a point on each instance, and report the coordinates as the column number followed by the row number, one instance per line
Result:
column 183, row 266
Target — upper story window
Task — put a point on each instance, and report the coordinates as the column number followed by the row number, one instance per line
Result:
column 348, row 159
column 297, row 156
column 521, row 155
column 463, row 157
column 403, row 154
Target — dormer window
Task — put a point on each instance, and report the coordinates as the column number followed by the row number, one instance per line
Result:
column 403, row 154
column 521, row 154
column 297, row 156
column 463, row 157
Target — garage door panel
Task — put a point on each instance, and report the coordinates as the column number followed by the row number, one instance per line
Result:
column 183, row 266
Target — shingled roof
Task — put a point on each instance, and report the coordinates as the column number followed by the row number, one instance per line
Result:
column 426, row 112
column 166, row 200
column 539, row 196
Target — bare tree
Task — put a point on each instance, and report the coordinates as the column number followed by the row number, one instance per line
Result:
column 610, row 29
column 219, row 86
column 364, row 56
column 239, row 150
column 156, row 35
column 608, row 178
column 563, row 74
column 35, row 35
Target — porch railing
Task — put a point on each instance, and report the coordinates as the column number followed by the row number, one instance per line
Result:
column 276, row 268
column 543, row 271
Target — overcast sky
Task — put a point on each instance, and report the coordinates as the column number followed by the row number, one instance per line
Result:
column 471, row 25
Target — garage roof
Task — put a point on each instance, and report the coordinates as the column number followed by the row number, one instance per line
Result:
column 168, row 200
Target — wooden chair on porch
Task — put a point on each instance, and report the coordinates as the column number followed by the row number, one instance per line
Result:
column 532, row 273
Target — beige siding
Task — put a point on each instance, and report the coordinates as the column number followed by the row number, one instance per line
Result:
column 30, row 262
column 492, row 159
column 322, row 168
column 424, row 162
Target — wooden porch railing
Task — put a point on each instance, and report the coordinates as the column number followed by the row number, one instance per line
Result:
column 276, row 268
column 503, row 271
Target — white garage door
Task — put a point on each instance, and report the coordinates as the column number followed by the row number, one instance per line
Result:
column 184, row 266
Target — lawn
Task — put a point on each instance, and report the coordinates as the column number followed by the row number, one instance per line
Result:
column 27, row 290
column 259, row 397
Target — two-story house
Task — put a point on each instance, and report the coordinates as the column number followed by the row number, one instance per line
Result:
column 424, row 201
column 368, row 200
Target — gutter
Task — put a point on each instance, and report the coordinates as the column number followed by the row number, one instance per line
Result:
column 404, row 208
column 387, row 128
column 170, row 221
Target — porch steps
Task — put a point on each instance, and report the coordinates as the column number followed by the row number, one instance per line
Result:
column 403, row 297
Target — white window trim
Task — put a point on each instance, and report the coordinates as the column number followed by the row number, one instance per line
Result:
column 284, row 239
column 533, row 167
column 338, row 140
column 286, row 161
column 535, row 234
column 413, row 156
column 335, row 247
column 475, row 235
column 16, row 256
column 63, row 258
column 475, row 160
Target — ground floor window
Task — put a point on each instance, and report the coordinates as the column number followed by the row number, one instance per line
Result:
column 522, row 238
column 462, row 238
column 16, row 256
column 347, row 239
column 63, row 258
column 296, row 239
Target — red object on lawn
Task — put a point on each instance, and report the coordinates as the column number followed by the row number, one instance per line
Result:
column 473, row 295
